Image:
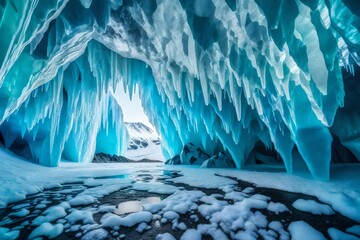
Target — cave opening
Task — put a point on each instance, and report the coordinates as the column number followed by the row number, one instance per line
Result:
column 144, row 142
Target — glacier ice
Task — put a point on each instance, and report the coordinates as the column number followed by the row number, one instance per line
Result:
column 65, row 117
column 223, row 75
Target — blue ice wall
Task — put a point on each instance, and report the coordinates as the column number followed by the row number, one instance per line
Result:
column 73, row 116
column 223, row 75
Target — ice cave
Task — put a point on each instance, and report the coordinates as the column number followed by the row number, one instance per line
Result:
column 247, row 81
column 223, row 75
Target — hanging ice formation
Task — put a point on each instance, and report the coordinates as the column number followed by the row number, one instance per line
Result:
column 223, row 75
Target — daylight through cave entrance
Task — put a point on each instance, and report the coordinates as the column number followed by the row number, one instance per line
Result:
column 144, row 142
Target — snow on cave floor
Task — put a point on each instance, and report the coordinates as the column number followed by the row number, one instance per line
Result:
column 153, row 201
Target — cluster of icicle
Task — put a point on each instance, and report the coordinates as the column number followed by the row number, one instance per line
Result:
column 223, row 75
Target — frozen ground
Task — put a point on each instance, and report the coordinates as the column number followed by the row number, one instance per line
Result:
column 153, row 201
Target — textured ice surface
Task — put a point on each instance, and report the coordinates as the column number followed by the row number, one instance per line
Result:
column 223, row 75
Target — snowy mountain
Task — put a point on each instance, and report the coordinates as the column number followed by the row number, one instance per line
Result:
column 144, row 142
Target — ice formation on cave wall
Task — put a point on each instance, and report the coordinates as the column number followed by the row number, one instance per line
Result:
column 220, row 74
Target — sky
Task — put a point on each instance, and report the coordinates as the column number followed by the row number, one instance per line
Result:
column 132, row 110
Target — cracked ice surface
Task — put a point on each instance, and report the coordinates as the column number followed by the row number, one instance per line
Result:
column 223, row 75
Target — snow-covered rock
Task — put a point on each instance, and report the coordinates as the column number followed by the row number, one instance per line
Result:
column 192, row 155
column 218, row 161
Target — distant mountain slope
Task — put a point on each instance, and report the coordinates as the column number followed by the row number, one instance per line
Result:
column 107, row 158
column 144, row 142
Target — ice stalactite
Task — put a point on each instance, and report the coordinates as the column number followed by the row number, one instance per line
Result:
column 224, row 75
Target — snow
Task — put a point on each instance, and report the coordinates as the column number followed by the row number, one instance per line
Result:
column 142, row 227
column 336, row 234
column 191, row 234
column 98, row 234
column 47, row 230
column 34, row 178
column 312, row 207
column 81, row 200
column 243, row 218
column 277, row 207
column 49, row 215
column 112, row 220
column 165, row 236
column 354, row 229
column 341, row 192
column 154, row 207
column 213, row 205
column 297, row 230
column 83, row 216
column 182, row 226
column 22, row 213
column 182, row 201
column 278, row 227
column 6, row 234
column 52, row 185
column 171, row 215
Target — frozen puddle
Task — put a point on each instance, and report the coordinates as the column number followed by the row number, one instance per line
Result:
column 155, row 204
column 135, row 206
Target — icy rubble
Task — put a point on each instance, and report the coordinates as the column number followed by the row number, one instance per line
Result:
column 223, row 75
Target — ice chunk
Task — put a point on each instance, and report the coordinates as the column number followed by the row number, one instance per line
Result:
column 81, row 200
column 313, row 207
column 336, row 234
column 354, row 229
column 6, row 233
column 86, row 217
column 165, row 236
column 130, row 220
column 47, row 230
column 171, row 215
column 99, row 233
column 277, row 207
column 155, row 188
column 49, row 215
column 191, row 234
column 297, row 230
column 22, row 213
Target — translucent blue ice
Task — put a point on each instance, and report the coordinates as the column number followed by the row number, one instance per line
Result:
column 223, row 75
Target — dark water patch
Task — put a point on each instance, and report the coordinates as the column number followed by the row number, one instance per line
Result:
column 119, row 176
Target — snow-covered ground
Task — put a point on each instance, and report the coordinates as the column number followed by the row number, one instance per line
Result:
column 224, row 211
column 144, row 142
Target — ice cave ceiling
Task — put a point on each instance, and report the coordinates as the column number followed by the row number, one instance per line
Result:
column 224, row 75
